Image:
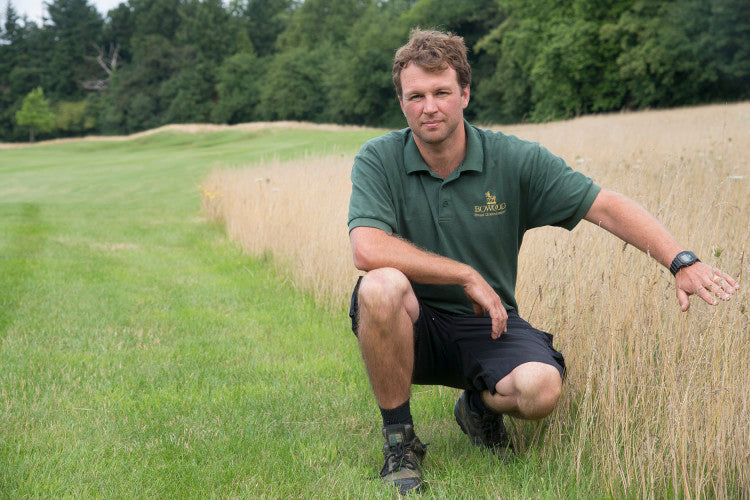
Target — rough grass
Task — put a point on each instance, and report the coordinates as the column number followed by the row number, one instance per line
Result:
column 656, row 401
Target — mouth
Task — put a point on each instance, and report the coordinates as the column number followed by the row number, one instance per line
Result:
column 431, row 124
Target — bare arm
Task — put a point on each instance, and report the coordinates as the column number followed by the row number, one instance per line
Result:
column 631, row 223
column 373, row 248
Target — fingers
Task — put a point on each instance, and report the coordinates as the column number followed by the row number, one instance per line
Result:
column 726, row 282
column 499, row 322
column 484, row 298
column 721, row 285
column 683, row 299
column 706, row 282
column 705, row 294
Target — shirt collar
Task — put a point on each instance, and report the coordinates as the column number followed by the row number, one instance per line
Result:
column 474, row 159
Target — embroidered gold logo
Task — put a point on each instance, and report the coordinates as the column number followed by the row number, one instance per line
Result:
column 491, row 207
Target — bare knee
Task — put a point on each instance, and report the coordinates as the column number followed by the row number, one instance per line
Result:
column 536, row 388
column 386, row 292
column 548, row 392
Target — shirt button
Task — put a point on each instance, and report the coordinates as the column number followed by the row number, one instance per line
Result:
column 445, row 203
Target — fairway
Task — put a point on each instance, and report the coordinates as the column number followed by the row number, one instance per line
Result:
column 144, row 353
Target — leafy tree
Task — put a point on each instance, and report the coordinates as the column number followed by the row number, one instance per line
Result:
column 238, row 89
column 73, row 117
column 135, row 99
column 9, row 36
column 316, row 22
column 658, row 63
column 120, row 29
column 264, row 22
column 75, row 30
column 359, row 82
column 293, row 87
column 10, row 30
column 189, row 94
column 506, row 94
column 728, row 41
column 155, row 17
column 35, row 113
column 206, row 27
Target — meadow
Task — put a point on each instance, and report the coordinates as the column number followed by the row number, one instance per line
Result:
column 656, row 401
column 173, row 322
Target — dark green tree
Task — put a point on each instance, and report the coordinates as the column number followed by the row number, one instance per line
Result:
column 293, row 87
column 8, row 33
column 729, row 44
column 264, row 20
column 189, row 95
column 207, row 28
column 316, row 22
column 660, row 61
column 238, row 89
column 506, row 93
column 75, row 30
column 134, row 100
column 155, row 17
column 119, row 29
column 359, row 82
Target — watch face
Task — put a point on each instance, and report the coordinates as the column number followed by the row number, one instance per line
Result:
column 685, row 258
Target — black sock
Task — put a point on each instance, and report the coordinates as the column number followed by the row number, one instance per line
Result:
column 476, row 403
column 399, row 415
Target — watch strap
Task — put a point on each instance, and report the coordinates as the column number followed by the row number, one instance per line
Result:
column 683, row 259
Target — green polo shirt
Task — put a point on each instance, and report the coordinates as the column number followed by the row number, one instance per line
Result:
column 478, row 214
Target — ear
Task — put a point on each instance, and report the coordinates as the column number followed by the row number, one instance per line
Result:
column 465, row 93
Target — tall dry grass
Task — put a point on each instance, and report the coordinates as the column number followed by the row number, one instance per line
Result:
column 657, row 402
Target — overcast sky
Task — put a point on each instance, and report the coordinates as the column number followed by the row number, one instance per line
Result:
column 34, row 9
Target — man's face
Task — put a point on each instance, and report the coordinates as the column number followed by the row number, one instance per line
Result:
column 433, row 103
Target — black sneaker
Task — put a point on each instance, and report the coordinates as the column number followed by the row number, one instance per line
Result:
column 403, row 453
column 484, row 429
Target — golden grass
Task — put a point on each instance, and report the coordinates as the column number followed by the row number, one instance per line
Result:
column 657, row 401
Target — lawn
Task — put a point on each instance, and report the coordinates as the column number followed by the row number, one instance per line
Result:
column 145, row 354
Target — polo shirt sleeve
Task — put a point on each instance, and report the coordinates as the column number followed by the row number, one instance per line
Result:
column 557, row 195
column 370, row 204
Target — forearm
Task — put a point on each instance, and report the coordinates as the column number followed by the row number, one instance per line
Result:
column 631, row 223
column 373, row 249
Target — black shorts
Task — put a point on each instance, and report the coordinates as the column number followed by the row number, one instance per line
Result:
column 457, row 350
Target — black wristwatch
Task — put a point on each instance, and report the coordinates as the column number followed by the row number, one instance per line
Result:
column 683, row 259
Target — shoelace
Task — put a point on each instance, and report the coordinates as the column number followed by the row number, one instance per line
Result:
column 397, row 459
column 397, row 452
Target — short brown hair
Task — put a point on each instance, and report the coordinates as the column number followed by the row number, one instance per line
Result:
column 432, row 51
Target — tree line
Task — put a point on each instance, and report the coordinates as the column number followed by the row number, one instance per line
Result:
column 152, row 62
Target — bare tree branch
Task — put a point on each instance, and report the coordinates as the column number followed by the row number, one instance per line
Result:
column 108, row 63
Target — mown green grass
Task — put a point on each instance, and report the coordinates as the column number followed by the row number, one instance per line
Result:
column 143, row 355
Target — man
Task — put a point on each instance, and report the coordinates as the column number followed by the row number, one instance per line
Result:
column 436, row 219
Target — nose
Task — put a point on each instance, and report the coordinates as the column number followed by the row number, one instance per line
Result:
column 430, row 105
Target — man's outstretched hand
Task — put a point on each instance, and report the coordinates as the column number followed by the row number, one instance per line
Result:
column 704, row 281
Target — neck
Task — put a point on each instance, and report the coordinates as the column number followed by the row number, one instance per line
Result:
column 444, row 157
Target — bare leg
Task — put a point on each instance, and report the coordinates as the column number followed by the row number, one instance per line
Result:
column 388, row 310
column 530, row 391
